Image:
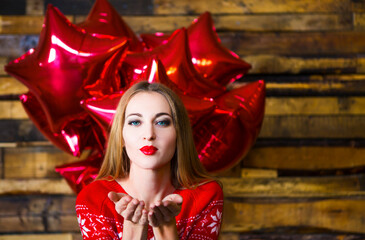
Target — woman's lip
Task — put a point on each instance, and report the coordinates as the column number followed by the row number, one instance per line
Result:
column 148, row 150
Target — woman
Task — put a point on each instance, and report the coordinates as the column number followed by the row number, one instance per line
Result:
column 151, row 184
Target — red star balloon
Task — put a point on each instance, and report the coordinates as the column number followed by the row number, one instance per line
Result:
column 75, row 137
column 104, row 19
column 81, row 173
column 211, row 59
column 224, row 137
column 54, row 72
column 175, row 57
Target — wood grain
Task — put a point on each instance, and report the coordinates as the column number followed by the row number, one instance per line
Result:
column 310, row 158
column 294, row 187
column 343, row 215
column 35, row 162
column 250, row 6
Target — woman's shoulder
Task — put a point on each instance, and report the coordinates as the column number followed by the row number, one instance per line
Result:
column 209, row 190
column 204, row 198
column 95, row 193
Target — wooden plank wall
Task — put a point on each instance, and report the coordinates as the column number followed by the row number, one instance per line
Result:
column 305, row 176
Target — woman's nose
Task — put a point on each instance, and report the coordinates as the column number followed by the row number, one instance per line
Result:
column 149, row 133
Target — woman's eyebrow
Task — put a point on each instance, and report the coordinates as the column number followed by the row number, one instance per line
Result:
column 134, row 114
column 162, row 114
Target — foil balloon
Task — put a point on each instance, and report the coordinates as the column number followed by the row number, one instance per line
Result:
column 104, row 19
column 103, row 109
column 78, row 135
column 211, row 59
column 175, row 57
column 81, row 173
column 54, row 72
column 224, row 137
column 196, row 107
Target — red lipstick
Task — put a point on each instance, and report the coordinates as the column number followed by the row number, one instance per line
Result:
column 148, row 150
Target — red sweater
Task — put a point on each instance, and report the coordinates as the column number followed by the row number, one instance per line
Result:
column 200, row 217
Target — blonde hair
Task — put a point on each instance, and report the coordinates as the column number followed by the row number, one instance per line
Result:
column 186, row 168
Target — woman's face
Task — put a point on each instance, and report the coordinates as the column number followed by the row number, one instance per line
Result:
column 149, row 133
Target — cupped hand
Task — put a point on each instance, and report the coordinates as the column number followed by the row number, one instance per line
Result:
column 131, row 209
column 165, row 211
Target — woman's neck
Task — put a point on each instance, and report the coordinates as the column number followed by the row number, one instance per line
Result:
column 148, row 185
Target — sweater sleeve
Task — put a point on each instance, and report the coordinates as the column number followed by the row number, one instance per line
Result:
column 204, row 206
column 95, row 219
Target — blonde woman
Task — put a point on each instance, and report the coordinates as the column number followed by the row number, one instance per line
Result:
column 151, row 184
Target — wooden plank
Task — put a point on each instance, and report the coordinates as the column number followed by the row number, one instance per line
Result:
column 290, row 235
column 309, row 85
column 279, row 106
column 35, row 162
column 34, row 186
column 59, row 236
column 242, row 22
column 1, row 163
column 342, row 215
column 13, row 131
column 12, row 110
column 275, row 64
column 43, row 143
column 250, row 6
column 125, row 7
column 23, row 24
column 35, row 7
column 13, row 46
column 305, row 158
column 308, row 89
column 10, row 7
column 328, row 127
column 3, row 62
column 358, row 6
column 222, row 236
column 37, row 214
column 294, row 43
column 258, row 173
column 295, row 187
column 359, row 21
column 11, row 86
column 284, row 22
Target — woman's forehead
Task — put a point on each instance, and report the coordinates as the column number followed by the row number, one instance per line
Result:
column 147, row 102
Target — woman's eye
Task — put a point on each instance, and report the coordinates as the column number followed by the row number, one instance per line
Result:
column 134, row 123
column 163, row 123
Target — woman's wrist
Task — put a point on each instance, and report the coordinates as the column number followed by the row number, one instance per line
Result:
column 133, row 230
column 166, row 231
